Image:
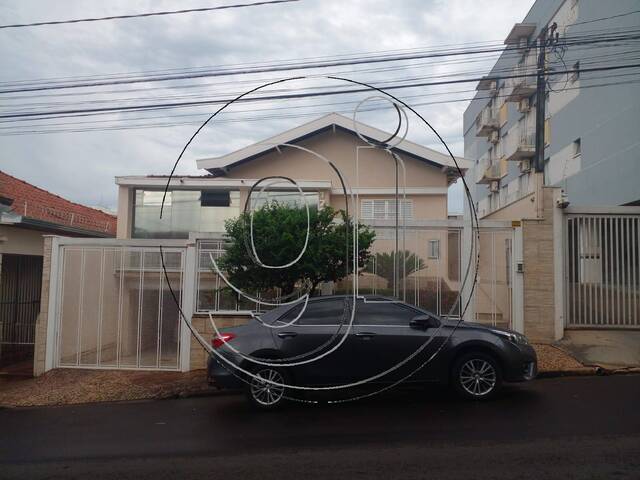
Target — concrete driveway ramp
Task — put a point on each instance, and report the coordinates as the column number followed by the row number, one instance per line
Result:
column 605, row 348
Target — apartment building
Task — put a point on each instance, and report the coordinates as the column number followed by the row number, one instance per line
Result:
column 591, row 133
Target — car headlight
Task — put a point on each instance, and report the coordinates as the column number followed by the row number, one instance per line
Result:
column 513, row 337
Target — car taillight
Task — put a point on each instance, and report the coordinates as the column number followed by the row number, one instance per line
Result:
column 219, row 340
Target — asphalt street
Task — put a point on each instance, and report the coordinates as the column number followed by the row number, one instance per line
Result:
column 578, row 427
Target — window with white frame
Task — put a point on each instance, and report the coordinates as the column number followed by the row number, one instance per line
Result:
column 577, row 148
column 503, row 196
column 434, row 249
column 385, row 209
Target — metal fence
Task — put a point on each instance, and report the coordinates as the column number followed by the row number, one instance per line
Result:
column 602, row 270
column 115, row 308
column 20, row 285
column 428, row 273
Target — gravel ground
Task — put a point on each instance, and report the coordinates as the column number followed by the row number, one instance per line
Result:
column 552, row 359
column 69, row 386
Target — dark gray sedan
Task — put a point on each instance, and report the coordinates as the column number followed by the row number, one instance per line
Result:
column 389, row 342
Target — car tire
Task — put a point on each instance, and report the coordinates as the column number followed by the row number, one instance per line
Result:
column 265, row 395
column 476, row 376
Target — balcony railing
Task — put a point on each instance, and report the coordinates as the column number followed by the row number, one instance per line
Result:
column 523, row 85
column 520, row 146
column 489, row 169
column 487, row 121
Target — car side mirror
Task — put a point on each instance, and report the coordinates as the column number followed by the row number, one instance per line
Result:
column 423, row 322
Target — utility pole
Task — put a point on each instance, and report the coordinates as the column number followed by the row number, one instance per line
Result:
column 541, row 87
column 548, row 35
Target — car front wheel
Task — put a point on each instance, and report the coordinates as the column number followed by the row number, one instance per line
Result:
column 265, row 389
column 476, row 376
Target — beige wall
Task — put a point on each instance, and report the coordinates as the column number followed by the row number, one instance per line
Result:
column 539, row 278
column 522, row 208
column 21, row 241
column 43, row 318
column 376, row 167
column 125, row 209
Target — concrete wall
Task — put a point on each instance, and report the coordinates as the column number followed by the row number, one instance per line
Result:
column 541, row 302
column 523, row 208
column 21, row 241
column 40, row 347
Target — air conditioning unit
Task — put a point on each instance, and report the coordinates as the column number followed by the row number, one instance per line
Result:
column 494, row 137
column 494, row 186
column 525, row 166
column 524, row 106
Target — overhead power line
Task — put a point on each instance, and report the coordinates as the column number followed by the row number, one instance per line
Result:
column 6, row 131
column 311, row 65
column 301, row 95
column 148, row 14
column 605, row 18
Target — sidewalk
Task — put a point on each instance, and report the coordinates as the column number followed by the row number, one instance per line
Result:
column 72, row 386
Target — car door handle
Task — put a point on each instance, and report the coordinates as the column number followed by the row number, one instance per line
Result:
column 365, row 335
column 287, row 334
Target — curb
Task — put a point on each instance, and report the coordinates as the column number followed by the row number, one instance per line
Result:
column 582, row 372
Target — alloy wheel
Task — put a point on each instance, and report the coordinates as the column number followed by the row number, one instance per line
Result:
column 478, row 377
column 263, row 391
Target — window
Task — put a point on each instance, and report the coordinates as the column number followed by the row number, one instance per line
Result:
column 434, row 248
column 575, row 76
column 577, row 148
column 319, row 312
column 453, row 255
column 503, row 195
column 383, row 313
column 184, row 211
column 215, row 199
column 381, row 209
column 290, row 198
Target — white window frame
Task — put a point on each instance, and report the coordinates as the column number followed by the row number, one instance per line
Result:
column 433, row 251
column 384, row 209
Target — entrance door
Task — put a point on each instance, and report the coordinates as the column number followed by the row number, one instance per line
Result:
column 20, row 286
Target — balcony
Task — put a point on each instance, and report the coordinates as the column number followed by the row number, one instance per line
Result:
column 488, row 171
column 524, row 83
column 488, row 85
column 487, row 122
column 520, row 145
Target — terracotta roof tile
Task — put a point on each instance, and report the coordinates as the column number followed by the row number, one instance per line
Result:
column 33, row 202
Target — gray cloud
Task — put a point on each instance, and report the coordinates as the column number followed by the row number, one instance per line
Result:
column 81, row 166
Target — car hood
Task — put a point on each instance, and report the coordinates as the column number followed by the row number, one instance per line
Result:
column 474, row 325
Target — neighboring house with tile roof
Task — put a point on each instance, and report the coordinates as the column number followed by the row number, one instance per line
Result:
column 27, row 215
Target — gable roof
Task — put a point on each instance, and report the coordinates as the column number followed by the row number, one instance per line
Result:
column 23, row 203
column 219, row 166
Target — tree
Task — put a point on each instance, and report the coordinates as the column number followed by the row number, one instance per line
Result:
column 279, row 233
column 385, row 263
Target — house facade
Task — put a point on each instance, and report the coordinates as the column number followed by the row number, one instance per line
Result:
column 359, row 177
column 28, row 215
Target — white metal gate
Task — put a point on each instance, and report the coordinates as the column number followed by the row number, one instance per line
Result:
column 602, row 268
column 114, row 308
column 434, row 264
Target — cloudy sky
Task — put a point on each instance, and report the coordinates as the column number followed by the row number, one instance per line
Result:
column 79, row 156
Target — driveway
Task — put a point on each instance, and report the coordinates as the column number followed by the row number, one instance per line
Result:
column 580, row 427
